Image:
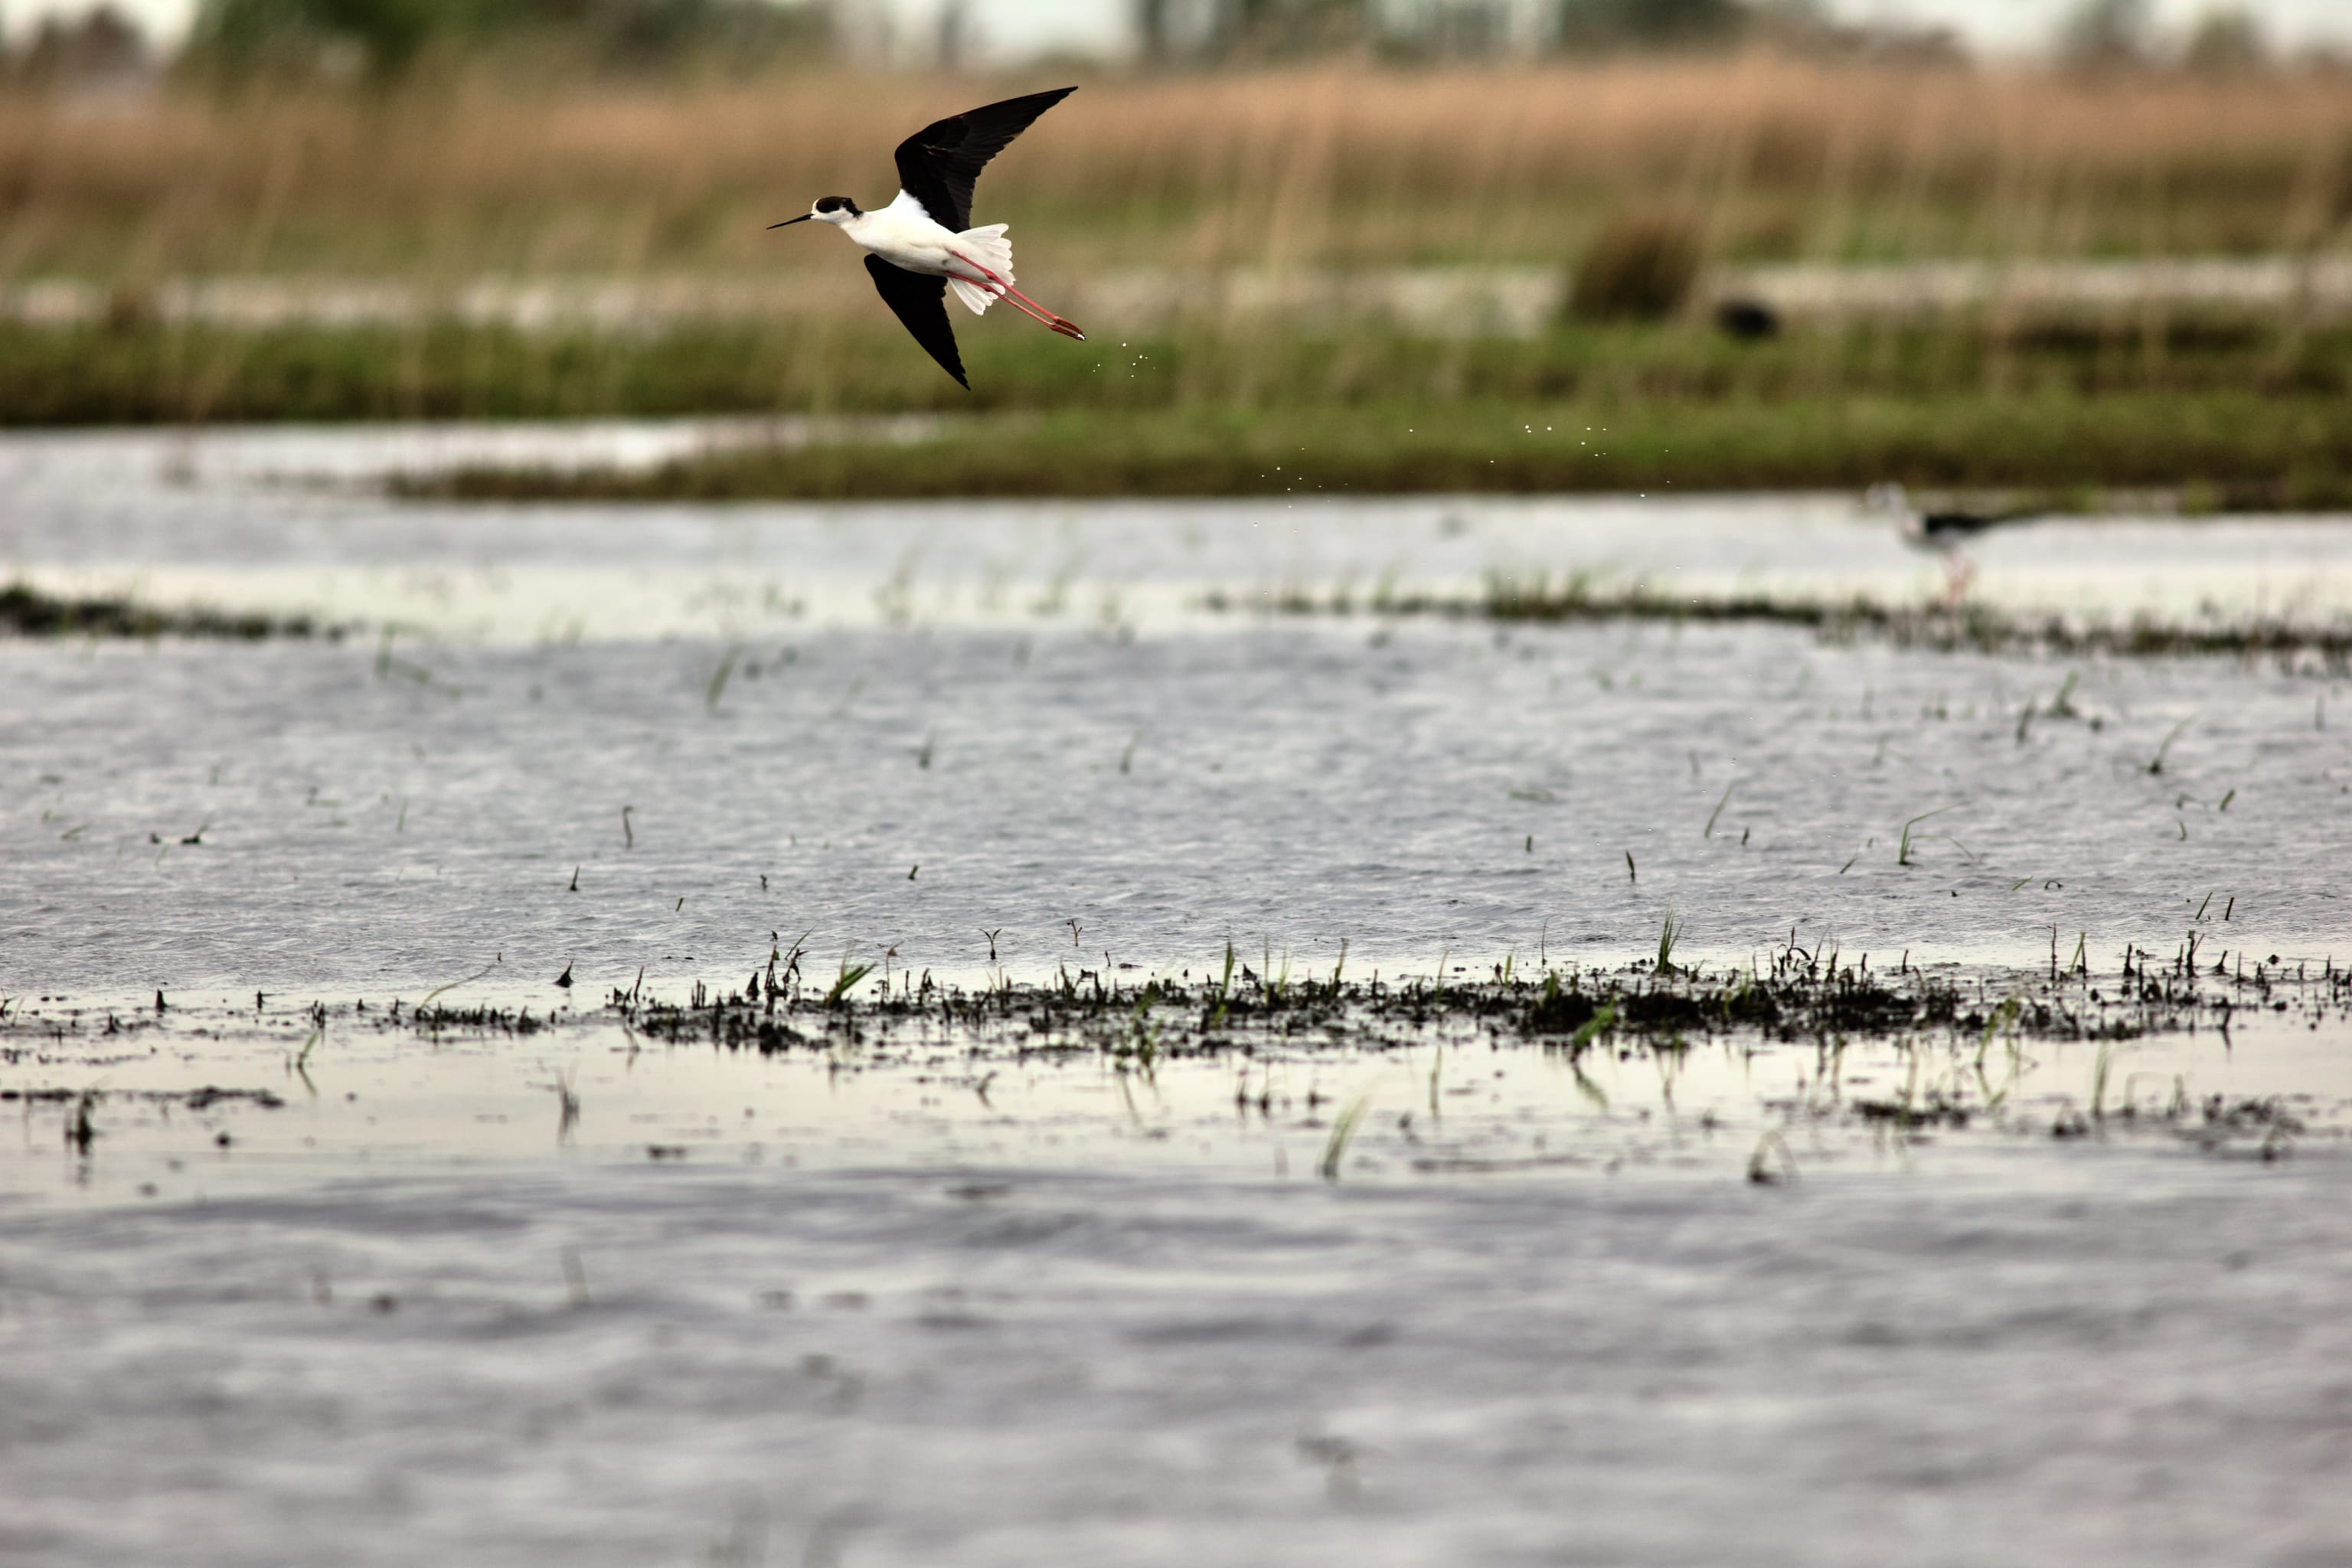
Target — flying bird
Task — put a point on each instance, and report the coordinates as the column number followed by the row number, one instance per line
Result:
column 921, row 244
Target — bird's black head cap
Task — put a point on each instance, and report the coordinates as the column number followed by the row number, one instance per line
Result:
column 837, row 204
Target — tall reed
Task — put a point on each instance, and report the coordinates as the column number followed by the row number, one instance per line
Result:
column 1322, row 167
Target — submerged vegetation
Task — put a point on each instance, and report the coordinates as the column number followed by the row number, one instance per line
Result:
column 2325, row 647
column 1961, row 1039
column 1794, row 996
column 1929, row 1048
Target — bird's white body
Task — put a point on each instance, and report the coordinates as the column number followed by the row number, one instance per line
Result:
column 1944, row 534
column 1891, row 499
column 905, row 236
column 913, row 252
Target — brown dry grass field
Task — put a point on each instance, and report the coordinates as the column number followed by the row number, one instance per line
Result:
column 1776, row 158
column 1748, row 159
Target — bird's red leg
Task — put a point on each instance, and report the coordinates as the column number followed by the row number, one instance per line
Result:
column 1007, row 291
column 1027, row 305
column 1067, row 328
column 1959, row 572
column 1027, row 309
column 1030, row 308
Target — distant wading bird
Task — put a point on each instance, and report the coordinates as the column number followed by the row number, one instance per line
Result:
column 919, row 247
column 1946, row 534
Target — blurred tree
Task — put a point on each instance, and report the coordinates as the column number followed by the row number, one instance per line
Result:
column 2227, row 42
column 1263, row 28
column 954, row 32
column 385, row 39
column 102, row 45
column 1468, row 28
column 1811, row 27
column 1651, row 23
column 306, row 35
column 2106, row 33
column 1151, row 30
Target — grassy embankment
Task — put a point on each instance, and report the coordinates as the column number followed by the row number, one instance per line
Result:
column 2237, row 453
column 447, row 182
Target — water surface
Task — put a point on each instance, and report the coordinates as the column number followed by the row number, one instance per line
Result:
column 938, row 1299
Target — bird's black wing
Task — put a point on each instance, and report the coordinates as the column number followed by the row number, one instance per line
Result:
column 937, row 164
column 1960, row 525
column 920, row 300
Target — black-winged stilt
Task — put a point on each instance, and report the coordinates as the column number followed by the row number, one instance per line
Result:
column 1946, row 534
column 920, row 246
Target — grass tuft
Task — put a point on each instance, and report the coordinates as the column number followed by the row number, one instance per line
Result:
column 1669, row 933
column 1903, row 853
column 1643, row 267
column 1343, row 1132
column 845, row 981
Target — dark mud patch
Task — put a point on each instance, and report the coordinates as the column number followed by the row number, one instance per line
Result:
column 2323, row 649
column 26, row 611
column 204, row 1098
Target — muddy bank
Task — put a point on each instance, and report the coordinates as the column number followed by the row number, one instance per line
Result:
column 28, row 612
column 2322, row 647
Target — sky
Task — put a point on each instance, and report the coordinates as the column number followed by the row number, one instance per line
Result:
column 1010, row 29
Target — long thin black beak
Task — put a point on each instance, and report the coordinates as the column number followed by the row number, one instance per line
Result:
column 789, row 221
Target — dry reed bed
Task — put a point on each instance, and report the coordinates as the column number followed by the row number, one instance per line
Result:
column 1781, row 157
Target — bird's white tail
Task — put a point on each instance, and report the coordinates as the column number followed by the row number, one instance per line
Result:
column 990, row 249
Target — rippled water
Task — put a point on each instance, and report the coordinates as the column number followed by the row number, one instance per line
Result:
column 924, row 1306
column 907, row 1308
column 903, row 726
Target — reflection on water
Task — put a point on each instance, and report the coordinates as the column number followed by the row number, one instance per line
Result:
column 204, row 1100
column 1026, row 1307
column 238, row 518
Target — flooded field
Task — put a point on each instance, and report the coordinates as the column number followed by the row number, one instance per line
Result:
column 1052, row 1071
